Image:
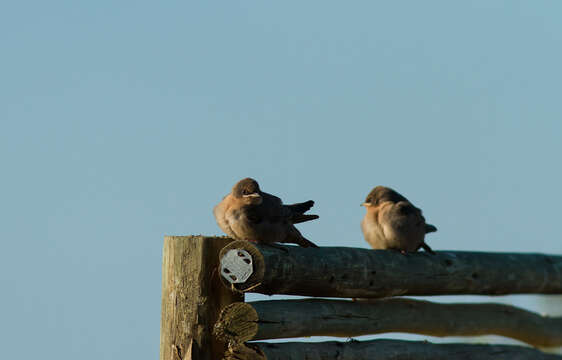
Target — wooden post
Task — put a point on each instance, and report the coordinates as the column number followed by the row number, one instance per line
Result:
column 365, row 273
column 383, row 350
column 275, row 319
column 192, row 297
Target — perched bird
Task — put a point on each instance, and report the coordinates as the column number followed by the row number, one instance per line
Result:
column 392, row 222
column 248, row 213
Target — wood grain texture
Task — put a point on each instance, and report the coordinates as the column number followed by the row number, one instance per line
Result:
column 192, row 296
column 383, row 350
column 276, row 319
column 364, row 273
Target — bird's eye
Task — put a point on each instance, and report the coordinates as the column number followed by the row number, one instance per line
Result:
column 245, row 192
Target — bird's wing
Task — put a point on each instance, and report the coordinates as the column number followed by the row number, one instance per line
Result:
column 296, row 219
column 403, row 214
column 220, row 212
column 273, row 210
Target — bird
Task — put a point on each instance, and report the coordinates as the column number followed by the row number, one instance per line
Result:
column 247, row 213
column 393, row 222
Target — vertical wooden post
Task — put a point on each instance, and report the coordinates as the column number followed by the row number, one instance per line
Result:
column 192, row 297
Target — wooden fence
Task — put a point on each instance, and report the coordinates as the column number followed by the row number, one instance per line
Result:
column 204, row 315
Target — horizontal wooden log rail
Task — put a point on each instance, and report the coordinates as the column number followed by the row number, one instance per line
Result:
column 261, row 320
column 382, row 350
column 365, row 273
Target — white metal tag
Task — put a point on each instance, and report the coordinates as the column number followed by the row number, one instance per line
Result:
column 236, row 266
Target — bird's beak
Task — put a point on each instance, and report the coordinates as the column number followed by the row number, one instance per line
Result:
column 254, row 198
column 365, row 204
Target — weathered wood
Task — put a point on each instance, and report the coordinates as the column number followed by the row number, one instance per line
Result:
column 277, row 319
column 383, row 350
column 192, row 297
column 238, row 323
column 365, row 273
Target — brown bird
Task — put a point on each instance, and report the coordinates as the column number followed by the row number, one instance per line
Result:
column 392, row 222
column 248, row 213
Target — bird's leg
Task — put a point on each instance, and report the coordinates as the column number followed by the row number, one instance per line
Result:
column 427, row 248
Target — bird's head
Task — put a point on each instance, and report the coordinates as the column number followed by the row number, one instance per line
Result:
column 248, row 190
column 381, row 194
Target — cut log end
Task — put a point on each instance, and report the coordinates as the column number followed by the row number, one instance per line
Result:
column 258, row 265
column 237, row 323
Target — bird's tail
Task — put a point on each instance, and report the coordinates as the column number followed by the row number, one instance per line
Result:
column 301, row 208
column 304, row 242
column 430, row 228
column 302, row 218
column 427, row 248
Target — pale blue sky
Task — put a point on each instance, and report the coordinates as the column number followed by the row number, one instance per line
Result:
column 124, row 121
